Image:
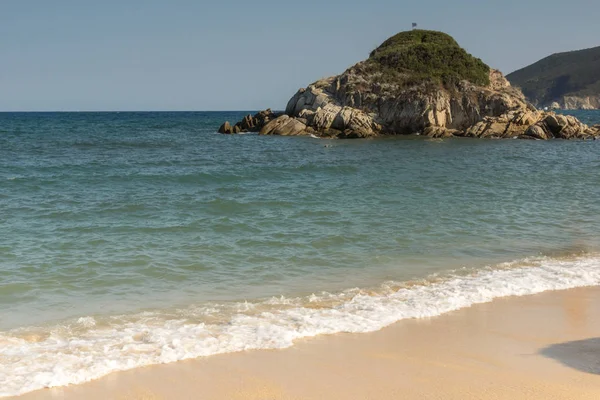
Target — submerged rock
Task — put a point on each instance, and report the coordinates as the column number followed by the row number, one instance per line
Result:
column 417, row 82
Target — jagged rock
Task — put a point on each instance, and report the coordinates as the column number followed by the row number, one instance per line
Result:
column 284, row 126
column 536, row 132
column 371, row 99
column 262, row 118
column 226, row 128
column 291, row 127
column 554, row 123
column 250, row 123
column 273, row 125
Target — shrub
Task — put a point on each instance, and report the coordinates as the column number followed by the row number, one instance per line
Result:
column 430, row 55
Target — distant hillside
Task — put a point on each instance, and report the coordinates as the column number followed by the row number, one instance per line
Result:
column 570, row 79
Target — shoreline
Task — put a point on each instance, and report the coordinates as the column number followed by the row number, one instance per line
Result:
column 89, row 348
column 538, row 346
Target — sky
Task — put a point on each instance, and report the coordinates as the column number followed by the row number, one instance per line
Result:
column 119, row 55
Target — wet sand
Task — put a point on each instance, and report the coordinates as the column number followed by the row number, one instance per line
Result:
column 545, row 346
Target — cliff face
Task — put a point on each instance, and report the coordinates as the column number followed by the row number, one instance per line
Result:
column 417, row 82
column 581, row 103
column 355, row 104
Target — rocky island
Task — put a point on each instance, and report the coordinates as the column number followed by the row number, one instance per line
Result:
column 416, row 82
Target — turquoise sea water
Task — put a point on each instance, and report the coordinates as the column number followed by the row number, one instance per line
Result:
column 128, row 239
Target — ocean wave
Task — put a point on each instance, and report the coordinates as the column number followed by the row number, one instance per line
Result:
column 87, row 348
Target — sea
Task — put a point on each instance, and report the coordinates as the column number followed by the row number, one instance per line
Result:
column 137, row 238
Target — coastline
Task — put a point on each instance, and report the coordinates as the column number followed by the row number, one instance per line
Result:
column 539, row 346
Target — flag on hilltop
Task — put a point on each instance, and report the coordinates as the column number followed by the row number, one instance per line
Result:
column 414, row 25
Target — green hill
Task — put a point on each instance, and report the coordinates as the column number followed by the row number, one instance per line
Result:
column 428, row 55
column 576, row 73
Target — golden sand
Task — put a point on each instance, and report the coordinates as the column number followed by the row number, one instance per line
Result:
column 545, row 346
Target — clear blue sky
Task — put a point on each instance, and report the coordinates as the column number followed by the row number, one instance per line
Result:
column 245, row 55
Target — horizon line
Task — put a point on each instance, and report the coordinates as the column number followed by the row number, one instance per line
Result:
column 123, row 111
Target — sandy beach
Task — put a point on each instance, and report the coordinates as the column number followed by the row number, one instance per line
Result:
column 545, row 346
column 407, row 209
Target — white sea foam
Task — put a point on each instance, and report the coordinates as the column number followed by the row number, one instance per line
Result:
column 89, row 348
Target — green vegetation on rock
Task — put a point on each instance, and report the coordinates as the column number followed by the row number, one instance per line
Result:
column 428, row 55
column 575, row 73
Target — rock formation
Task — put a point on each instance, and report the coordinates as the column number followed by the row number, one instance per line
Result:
column 250, row 123
column 581, row 103
column 417, row 82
